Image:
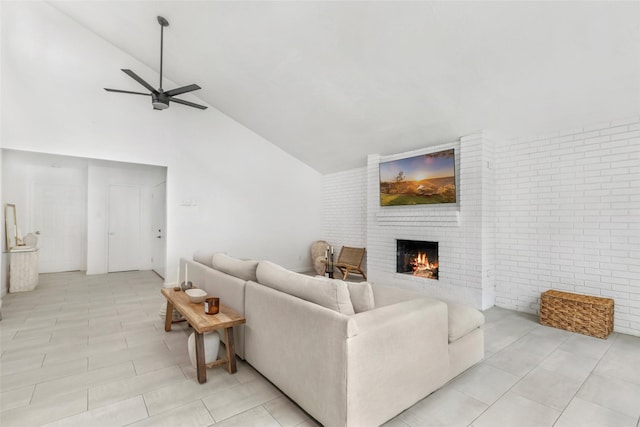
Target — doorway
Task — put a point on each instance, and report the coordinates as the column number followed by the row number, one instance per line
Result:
column 74, row 203
column 59, row 222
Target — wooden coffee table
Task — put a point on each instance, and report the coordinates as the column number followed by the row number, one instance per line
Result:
column 194, row 314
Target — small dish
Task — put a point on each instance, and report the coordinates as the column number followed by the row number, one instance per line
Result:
column 196, row 295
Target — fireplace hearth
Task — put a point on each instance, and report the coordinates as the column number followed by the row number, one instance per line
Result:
column 417, row 258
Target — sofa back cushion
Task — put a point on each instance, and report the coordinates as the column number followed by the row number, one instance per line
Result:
column 242, row 269
column 203, row 257
column 332, row 294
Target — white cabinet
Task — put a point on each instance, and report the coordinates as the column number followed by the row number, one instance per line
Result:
column 23, row 270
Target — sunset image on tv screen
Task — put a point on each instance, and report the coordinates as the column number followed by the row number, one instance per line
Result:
column 419, row 180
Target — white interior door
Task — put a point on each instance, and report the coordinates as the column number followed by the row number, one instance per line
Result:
column 124, row 228
column 158, row 223
column 59, row 221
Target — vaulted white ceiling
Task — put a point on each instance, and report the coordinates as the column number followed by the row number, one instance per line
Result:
column 332, row 81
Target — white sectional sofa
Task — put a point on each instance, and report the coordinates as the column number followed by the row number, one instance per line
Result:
column 348, row 354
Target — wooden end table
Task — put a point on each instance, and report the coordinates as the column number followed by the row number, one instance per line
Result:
column 194, row 314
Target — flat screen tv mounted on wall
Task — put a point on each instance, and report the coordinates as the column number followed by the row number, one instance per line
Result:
column 426, row 179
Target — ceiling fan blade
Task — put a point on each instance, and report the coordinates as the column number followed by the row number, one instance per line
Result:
column 137, row 78
column 190, row 104
column 183, row 89
column 126, row 91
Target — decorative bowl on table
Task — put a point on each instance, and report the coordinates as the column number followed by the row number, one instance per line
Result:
column 196, row 295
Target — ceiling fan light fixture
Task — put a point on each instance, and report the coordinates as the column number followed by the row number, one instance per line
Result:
column 160, row 105
column 159, row 101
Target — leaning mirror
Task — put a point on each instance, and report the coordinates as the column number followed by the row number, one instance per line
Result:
column 10, row 226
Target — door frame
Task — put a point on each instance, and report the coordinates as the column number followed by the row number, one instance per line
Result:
column 162, row 261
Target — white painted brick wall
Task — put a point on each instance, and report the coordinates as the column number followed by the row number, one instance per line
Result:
column 458, row 229
column 344, row 209
column 465, row 231
column 568, row 218
column 560, row 211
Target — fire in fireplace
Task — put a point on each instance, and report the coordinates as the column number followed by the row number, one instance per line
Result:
column 418, row 258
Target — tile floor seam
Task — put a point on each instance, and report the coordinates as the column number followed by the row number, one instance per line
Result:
column 87, row 400
column 208, row 410
column 146, row 408
column 134, row 367
column 603, row 407
column 591, row 372
column 570, row 400
column 482, row 413
column 538, row 366
column 269, row 412
column 33, row 393
column 574, row 396
column 521, row 378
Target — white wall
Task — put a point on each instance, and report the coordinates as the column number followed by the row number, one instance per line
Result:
column 569, row 218
column 4, row 262
column 228, row 189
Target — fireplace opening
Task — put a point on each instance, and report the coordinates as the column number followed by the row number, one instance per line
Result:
column 418, row 258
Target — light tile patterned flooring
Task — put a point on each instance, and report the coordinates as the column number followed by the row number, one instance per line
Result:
column 92, row 351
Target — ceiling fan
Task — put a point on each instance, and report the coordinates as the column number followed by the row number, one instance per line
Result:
column 159, row 98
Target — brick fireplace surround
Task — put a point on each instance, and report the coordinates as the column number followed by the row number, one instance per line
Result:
column 464, row 231
column 555, row 211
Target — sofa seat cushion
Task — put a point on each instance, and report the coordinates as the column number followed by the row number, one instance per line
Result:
column 462, row 320
column 331, row 294
column 242, row 269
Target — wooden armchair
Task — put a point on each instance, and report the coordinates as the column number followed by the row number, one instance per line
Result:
column 349, row 261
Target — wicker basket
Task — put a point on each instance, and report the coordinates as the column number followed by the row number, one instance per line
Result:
column 584, row 314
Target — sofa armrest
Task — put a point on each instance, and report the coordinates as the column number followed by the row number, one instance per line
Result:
column 399, row 355
column 228, row 288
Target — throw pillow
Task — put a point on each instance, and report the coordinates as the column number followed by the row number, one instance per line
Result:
column 360, row 293
column 361, row 296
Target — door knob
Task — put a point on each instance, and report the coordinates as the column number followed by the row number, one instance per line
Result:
column 158, row 237
column 38, row 232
